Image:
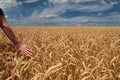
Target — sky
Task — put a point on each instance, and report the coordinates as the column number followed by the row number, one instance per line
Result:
column 62, row 12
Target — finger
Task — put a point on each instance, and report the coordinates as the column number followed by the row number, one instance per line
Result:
column 28, row 49
column 23, row 53
column 28, row 53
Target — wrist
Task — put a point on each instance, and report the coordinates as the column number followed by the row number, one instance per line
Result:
column 18, row 45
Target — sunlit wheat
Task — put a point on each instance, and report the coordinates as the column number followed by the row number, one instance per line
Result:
column 62, row 53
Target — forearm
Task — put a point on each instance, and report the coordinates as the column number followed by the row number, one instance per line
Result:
column 8, row 31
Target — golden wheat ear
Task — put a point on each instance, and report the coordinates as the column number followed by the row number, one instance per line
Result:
column 63, row 53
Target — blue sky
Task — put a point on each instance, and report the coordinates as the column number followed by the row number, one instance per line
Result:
column 62, row 12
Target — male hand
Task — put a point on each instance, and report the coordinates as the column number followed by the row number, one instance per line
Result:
column 24, row 50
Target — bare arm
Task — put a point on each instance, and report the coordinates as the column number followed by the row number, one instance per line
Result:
column 8, row 31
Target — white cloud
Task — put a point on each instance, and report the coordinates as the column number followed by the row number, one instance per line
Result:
column 58, row 1
column 90, row 8
column 41, row 19
column 81, row 7
column 45, row 14
column 8, row 3
column 113, row 3
column 99, row 14
column 30, row 1
column 73, row 1
column 50, row 15
column 82, row 1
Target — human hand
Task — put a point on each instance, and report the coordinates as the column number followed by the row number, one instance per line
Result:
column 24, row 50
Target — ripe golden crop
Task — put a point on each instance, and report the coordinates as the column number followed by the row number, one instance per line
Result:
column 62, row 53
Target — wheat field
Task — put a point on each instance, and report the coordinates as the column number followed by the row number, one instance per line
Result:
column 62, row 53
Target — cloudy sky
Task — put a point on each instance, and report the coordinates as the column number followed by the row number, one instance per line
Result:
column 61, row 12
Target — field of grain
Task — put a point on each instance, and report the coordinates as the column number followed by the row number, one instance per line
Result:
column 62, row 53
